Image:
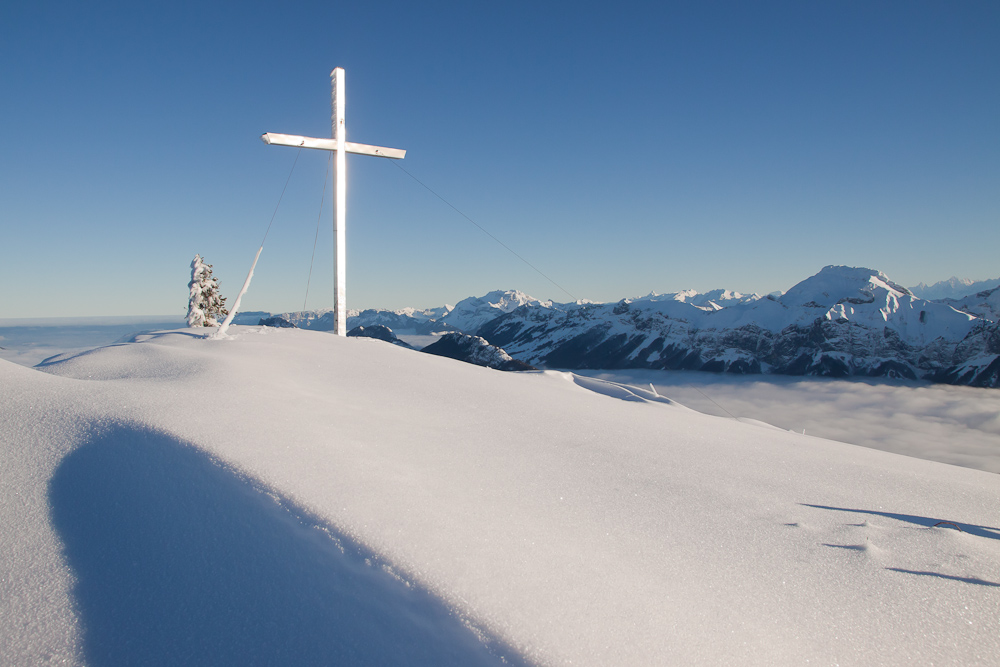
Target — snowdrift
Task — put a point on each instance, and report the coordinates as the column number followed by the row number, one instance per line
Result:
column 291, row 497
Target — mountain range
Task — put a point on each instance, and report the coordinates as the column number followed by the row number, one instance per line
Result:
column 843, row 321
column 953, row 288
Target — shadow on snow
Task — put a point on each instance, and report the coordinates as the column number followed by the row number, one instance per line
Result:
column 968, row 580
column 180, row 561
column 971, row 529
column 133, row 337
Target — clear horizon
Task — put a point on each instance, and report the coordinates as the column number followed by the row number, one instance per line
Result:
column 100, row 320
column 655, row 147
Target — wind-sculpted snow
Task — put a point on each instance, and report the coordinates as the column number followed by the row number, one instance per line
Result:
column 842, row 321
column 285, row 496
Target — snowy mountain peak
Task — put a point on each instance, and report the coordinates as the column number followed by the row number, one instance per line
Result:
column 505, row 301
column 953, row 288
column 954, row 283
column 842, row 321
column 716, row 299
column 722, row 298
column 471, row 313
column 843, row 284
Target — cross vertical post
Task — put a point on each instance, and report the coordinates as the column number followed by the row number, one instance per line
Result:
column 340, row 146
column 340, row 204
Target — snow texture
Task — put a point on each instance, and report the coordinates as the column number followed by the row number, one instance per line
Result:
column 350, row 502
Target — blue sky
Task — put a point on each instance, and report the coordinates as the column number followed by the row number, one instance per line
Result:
column 621, row 149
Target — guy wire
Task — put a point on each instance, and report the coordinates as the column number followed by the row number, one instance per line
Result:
column 483, row 230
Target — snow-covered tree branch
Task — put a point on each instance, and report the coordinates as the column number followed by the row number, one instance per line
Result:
column 205, row 303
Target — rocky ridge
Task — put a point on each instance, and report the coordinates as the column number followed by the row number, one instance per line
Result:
column 843, row 321
column 475, row 350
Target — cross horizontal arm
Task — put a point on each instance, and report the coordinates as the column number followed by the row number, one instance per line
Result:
column 276, row 139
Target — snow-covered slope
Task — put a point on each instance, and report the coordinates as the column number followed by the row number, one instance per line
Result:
column 843, row 284
column 842, row 321
column 290, row 497
column 985, row 304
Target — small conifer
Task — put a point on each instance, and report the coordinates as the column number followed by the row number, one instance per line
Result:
column 205, row 303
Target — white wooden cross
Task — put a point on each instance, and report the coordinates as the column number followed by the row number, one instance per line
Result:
column 341, row 147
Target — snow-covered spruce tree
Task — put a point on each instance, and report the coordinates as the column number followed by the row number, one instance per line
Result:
column 205, row 302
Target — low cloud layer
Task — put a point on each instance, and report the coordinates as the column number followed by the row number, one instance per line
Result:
column 956, row 425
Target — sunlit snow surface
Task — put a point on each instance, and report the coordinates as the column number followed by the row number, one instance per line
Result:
column 291, row 497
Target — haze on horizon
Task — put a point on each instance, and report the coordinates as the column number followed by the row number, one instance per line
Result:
column 657, row 147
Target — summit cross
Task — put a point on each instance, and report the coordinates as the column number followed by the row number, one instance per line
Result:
column 340, row 146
